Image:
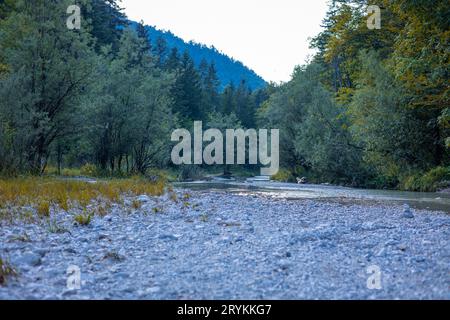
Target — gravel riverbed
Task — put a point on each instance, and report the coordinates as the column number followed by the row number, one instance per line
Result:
column 218, row 245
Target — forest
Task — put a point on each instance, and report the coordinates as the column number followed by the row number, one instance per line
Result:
column 370, row 109
column 229, row 70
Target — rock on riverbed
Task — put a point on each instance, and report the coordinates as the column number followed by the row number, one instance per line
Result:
column 217, row 245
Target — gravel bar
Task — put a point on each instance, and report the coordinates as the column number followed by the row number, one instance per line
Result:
column 218, row 245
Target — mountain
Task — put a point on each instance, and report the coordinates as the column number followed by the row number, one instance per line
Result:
column 228, row 69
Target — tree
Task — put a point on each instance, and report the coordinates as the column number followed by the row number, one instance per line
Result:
column 245, row 105
column 228, row 104
column 345, row 35
column 396, row 95
column 107, row 20
column 131, row 120
column 160, row 51
column 421, row 60
column 6, row 7
column 173, row 63
column 187, row 91
column 313, row 138
column 142, row 33
column 210, row 87
column 394, row 137
column 49, row 92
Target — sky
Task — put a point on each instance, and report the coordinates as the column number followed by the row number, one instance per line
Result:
column 269, row 36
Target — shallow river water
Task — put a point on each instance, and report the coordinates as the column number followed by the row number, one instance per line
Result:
column 418, row 200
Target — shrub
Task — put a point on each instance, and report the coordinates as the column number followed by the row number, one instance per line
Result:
column 62, row 200
column 136, row 204
column 83, row 219
column 431, row 181
column 157, row 175
column 70, row 172
column 383, row 181
column 157, row 210
column 43, row 209
column 186, row 196
column 54, row 227
column 89, row 170
column 6, row 270
column 173, row 197
column 283, row 175
column 189, row 173
column 50, row 170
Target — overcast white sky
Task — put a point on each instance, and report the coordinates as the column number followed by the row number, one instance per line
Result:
column 269, row 36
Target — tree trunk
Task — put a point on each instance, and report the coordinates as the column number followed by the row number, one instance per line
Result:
column 59, row 158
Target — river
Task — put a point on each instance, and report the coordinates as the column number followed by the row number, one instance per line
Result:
column 419, row 200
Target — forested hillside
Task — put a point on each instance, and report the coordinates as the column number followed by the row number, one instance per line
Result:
column 372, row 107
column 228, row 70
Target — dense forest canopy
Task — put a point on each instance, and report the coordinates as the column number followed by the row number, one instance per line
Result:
column 370, row 109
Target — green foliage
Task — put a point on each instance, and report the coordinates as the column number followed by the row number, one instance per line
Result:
column 222, row 122
column 47, row 68
column 391, row 135
column 187, row 91
column 6, row 8
column 129, row 114
column 435, row 179
column 105, row 99
column 84, row 218
column 283, row 175
column 313, row 131
column 106, row 18
column 371, row 109
column 6, row 271
column 89, row 170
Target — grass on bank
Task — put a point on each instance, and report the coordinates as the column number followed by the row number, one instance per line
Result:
column 42, row 194
column 92, row 171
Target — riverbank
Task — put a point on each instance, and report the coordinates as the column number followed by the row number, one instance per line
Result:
column 217, row 245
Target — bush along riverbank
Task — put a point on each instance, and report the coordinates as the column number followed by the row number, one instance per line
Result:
column 437, row 179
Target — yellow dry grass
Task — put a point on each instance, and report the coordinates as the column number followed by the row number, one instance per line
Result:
column 43, row 194
column 83, row 219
